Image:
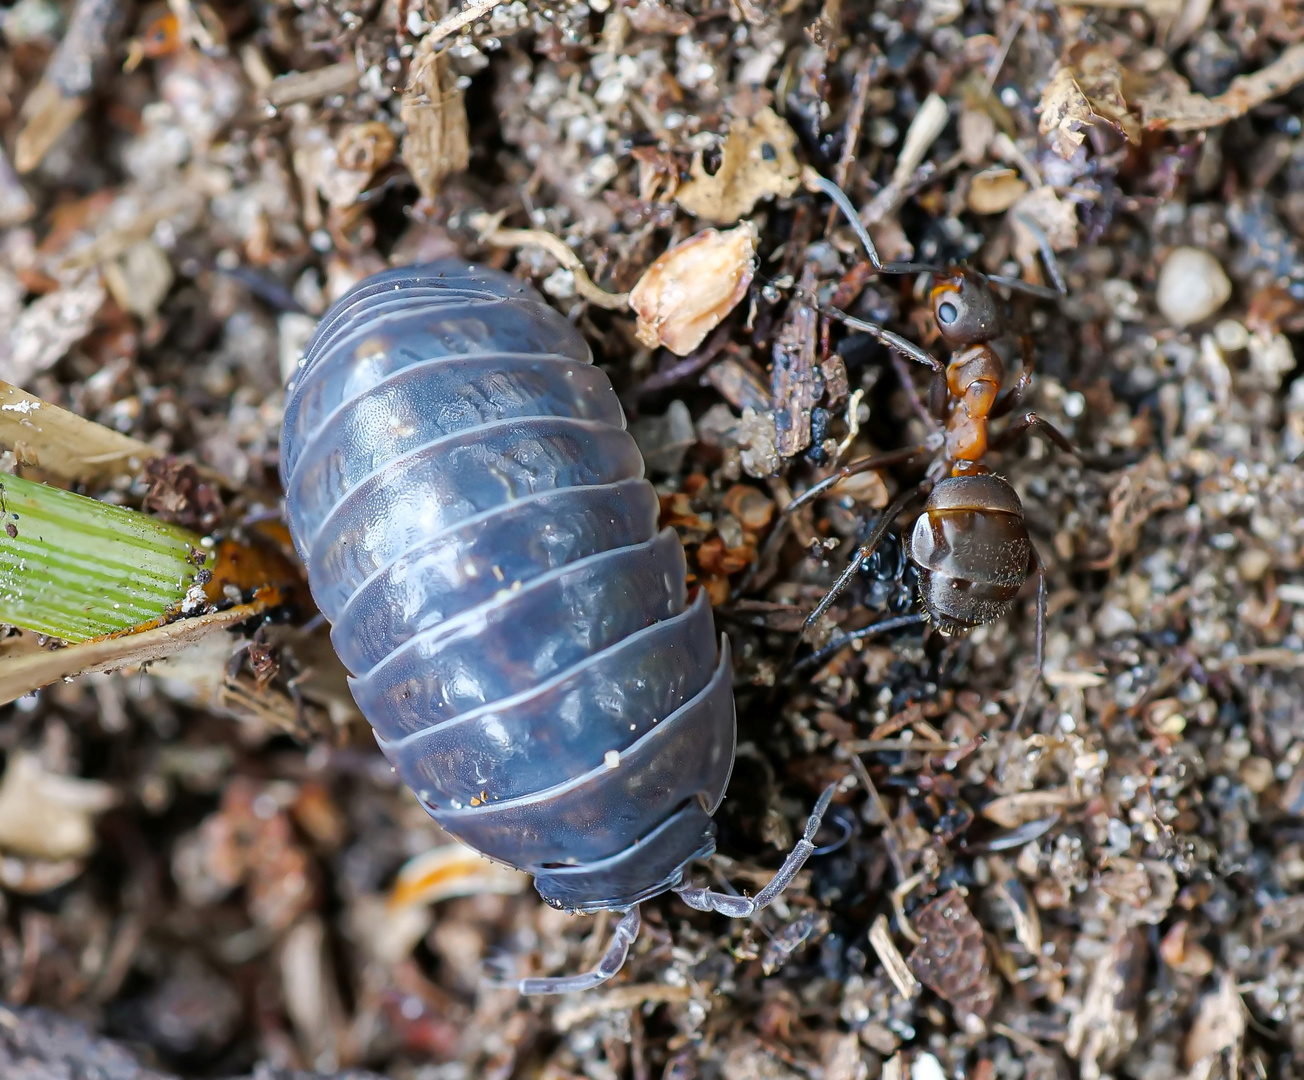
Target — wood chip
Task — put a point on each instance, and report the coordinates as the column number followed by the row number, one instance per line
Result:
column 60, row 97
column 1170, row 105
column 1010, row 811
column 49, row 326
column 993, row 191
column 45, row 815
column 796, row 380
column 880, row 937
column 928, row 123
column 436, row 143
column 311, row 85
column 566, row 1016
column 1105, row 1027
column 1219, row 1023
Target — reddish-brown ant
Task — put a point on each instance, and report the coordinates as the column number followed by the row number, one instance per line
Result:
column 970, row 542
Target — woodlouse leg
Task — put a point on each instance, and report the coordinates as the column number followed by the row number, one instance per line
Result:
column 740, row 907
column 612, row 961
column 862, row 553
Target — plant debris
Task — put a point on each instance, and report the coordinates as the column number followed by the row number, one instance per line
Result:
column 685, row 293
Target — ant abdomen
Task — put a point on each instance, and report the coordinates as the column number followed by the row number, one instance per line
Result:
column 972, row 549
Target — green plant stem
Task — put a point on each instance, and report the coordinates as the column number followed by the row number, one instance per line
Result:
column 75, row 568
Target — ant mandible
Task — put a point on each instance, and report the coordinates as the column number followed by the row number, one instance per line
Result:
column 970, row 542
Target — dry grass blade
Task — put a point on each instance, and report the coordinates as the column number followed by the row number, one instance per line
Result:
column 311, row 85
column 63, row 445
column 458, row 20
column 556, row 247
column 24, row 674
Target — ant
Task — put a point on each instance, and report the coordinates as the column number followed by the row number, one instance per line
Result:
column 969, row 545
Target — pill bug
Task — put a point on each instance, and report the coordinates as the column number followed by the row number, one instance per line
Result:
column 476, row 527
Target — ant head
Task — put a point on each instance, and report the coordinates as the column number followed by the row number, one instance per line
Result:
column 965, row 307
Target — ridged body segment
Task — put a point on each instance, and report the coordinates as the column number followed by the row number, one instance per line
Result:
column 477, row 528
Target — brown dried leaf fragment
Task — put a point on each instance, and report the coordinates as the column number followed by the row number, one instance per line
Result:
column 436, row 143
column 1087, row 89
column 1219, row 1023
column 757, row 162
column 48, row 816
column 685, row 293
column 1168, row 104
column 1105, row 1027
column 994, row 190
column 951, row 959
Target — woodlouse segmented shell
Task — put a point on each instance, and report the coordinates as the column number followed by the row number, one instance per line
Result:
column 477, row 528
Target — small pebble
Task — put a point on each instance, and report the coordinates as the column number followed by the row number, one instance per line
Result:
column 1231, row 336
column 1192, row 286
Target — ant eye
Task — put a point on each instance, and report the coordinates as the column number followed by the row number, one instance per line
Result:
column 947, row 313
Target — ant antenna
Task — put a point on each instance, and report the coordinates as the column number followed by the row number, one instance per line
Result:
column 1047, row 256
column 840, row 199
column 843, row 203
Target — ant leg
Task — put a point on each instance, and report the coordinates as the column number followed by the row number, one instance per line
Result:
column 862, row 553
column 927, row 413
column 612, row 961
column 1039, row 568
column 937, row 392
column 878, row 461
column 1032, row 423
column 740, row 907
column 898, row 622
column 1018, row 393
column 840, row 200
